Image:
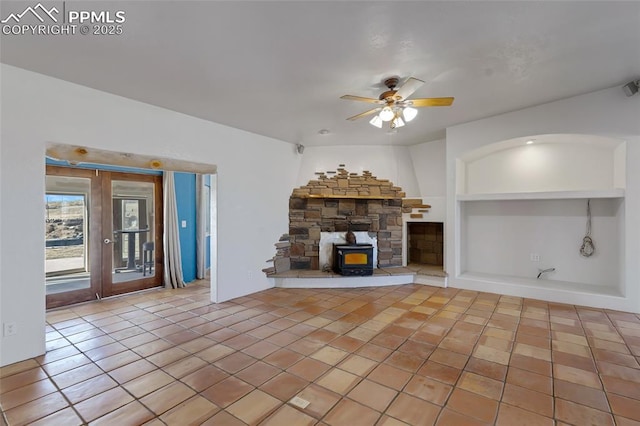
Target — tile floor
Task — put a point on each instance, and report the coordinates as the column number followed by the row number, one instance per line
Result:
column 409, row 354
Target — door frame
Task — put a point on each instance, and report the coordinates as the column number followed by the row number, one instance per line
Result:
column 100, row 227
column 108, row 287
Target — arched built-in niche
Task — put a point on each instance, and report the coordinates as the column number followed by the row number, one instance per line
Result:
column 543, row 163
column 522, row 208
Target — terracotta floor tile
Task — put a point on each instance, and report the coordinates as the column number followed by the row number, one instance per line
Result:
column 348, row 412
column 66, row 417
column 234, row 362
column 286, row 415
column 451, row 418
column 77, row 375
column 389, row 376
column 531, row 364
column 215, row 352
column 377, row 337
column 65, row 364
column 576, row 375
column 284, row 386
column 148, row 383
column 131, row 371
column 283, row 358
column 583, row 395
column 260, row 349
column 577, row 414
column 254, row 407
column 346, row 343
column 374, row 352
column 486, row 368
column 358, row 365
column 576, row 361
column 532, row 351
column 26, row 393
column 222, row 418
column 449, row 358
column 104, row 351
column 88, row 388
column 473, row 405
column 18, row 367
column 481, row 385
column 491, row 354
column 309, row 369
column 184, row 366
column 373, row 395
column 166, row 398
column 404, row 361
column 167, row 356
column 117, row 360
column 304, row 346
column 338, row 381
column 132, row 413
column 440, row 372
column 257, row 373
column 205, row 377
column 329, row 355
column 428, row 389
column 623, row 421
column 196, row 345
column 509, row 415
column 36, row 409
column 625, row 407
column 528, row 399
column 530, row 380
column 616, row 358
column 413, row 411
column 321, row 400
column 103, row 403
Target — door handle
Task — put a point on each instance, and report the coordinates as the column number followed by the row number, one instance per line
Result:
column 108, row 241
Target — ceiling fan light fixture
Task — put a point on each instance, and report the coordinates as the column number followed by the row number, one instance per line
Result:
column 397, row 122
column 386, row 114
column 409, row 113
column 376, row 121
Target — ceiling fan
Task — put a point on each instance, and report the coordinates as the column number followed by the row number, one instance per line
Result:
column 394, row 107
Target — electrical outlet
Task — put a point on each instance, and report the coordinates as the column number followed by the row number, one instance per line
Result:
column 10, row 328
column 535, row 257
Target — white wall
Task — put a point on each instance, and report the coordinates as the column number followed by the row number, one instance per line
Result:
column 253, row 172
column 429, row 163
column 607, row 113
column 386, row 162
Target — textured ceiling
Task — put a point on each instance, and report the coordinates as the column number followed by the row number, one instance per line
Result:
column 279, row 68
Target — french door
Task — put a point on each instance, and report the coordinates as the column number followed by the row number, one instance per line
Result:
column 103, row 234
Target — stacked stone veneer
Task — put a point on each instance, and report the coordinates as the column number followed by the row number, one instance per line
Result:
column 341, row 202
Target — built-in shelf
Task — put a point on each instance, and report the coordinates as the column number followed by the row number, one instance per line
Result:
column 545, row 195
column 542, row 284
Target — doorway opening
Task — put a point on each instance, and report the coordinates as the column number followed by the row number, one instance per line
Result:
column 103, row 233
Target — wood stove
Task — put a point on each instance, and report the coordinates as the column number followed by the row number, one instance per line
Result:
column 353, row 259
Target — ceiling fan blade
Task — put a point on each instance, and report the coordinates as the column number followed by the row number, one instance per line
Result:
column 407, row 89
column 360, row 98
column 364, row 114
column 427, row 102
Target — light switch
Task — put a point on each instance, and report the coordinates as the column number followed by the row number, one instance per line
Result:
column 184, row 223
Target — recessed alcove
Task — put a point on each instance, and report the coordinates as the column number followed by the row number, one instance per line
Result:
column 522, row 208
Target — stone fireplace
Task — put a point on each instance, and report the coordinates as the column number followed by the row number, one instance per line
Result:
column 336, row 202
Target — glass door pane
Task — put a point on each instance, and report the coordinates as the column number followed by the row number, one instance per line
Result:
column 67, row 202
column 133, row 245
